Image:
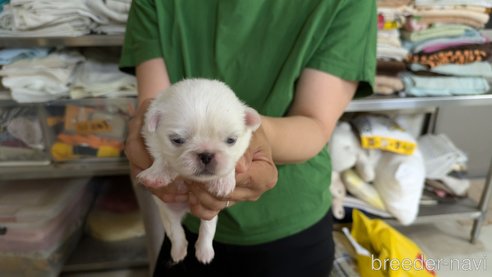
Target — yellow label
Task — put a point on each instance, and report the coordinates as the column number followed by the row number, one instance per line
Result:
column 388, row 144
column 93, row 126
column 108, row 151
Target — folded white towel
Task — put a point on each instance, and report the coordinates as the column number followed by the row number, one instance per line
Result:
column 22, row 95
column 63, row 18
column 95, row 79
column 118, row 6
column 58, row 65
column 29, row 14
column 116, row 12
column 41, row 79
column 50, row 18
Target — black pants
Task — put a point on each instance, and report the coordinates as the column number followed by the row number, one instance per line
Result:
column 309, row 253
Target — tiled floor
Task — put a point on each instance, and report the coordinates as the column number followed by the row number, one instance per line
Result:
column 449, row 241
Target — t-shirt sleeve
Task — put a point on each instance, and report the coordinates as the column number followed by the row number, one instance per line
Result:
column 348, row 49
column 141, row 37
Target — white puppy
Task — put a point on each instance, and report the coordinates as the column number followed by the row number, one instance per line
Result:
column 196, row 129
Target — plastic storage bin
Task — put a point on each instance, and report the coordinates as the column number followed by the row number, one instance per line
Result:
column 22, row 136
column 41, row 223
column 88, row 129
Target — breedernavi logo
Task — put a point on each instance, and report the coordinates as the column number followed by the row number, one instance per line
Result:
column 430, row 265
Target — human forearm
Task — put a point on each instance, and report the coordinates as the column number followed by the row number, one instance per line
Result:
column 297, row 138
column 152, row 78
column 319, row 102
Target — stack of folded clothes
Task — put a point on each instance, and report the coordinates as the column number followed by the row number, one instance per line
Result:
column 44, row 74
column 98, row 79
column 390, row 52
column 45, row 18
column 8, row 56
column 448, row 52
column 3, row 3
column 113, row 15
column 390, row 19
column 41, row 78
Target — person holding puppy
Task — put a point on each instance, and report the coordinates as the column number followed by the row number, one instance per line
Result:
column 299, row 64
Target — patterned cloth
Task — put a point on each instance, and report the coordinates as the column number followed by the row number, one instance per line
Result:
column 459, row 55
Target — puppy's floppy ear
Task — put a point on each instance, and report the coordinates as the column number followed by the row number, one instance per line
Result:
column 252, row 118
column 152, row 119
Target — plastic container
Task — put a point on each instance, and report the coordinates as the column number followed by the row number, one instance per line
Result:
column 88, row 129
column 42, row 223
column 23, row 138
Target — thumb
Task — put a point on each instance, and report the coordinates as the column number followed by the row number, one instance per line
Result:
column 242, row 165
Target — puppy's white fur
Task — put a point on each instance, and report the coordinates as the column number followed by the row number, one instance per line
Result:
column 197, row 129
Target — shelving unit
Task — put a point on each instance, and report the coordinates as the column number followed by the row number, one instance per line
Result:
column 90, row 254
column 462, row 209
column 104, row 257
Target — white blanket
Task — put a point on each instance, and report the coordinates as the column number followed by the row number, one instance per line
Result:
column 95, row 79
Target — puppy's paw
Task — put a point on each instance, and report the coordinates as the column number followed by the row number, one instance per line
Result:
column 179, row 251
column 149, row 179
column 204, row 253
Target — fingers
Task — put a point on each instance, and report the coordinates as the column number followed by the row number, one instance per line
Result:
column 203, row 204
column 135, row 149
column 261, row 176
column 245, row 162
column 175, row 192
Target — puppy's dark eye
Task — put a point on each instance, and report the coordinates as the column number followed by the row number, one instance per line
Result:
column 177, row 141
column 231, row 140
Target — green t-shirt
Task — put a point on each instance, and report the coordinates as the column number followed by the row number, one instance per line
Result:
column 259, row 48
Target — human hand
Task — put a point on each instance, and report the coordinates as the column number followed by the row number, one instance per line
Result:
column 256, row 173
column 140, row 159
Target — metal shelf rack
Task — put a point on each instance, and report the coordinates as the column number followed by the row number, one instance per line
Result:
column 380, row 103
column 463, row 209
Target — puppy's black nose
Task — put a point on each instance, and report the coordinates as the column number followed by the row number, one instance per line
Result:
column 205, row 157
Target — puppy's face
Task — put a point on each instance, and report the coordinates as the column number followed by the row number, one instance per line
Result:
column 201, row 136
